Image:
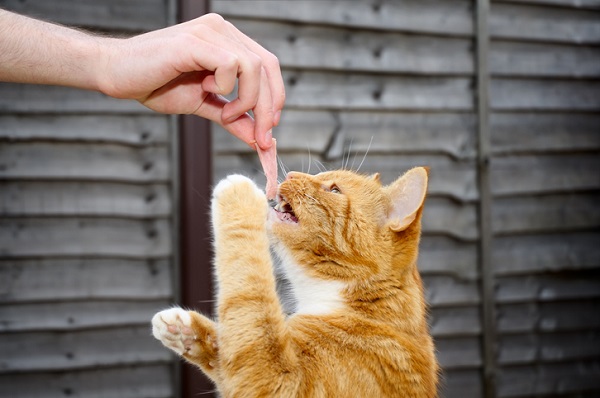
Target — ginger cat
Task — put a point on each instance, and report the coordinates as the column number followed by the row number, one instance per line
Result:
column 348, row 248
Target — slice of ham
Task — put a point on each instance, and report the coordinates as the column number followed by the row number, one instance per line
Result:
column 268, row 160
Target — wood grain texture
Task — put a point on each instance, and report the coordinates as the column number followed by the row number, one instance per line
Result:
column 126, row 130
column 58, row 351
column 85, row 237
column 66, row 279
column 412, row 15
column 98, row 199
column 149, row 381
column 131, row 15
column 77, row 161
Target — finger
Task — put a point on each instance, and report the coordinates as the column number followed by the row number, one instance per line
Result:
column 271, row 64
column 249, row 86
column 242, row 127
column 263, row 114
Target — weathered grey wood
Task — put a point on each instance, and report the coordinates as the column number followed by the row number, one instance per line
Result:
column 317, row 47
column 458, row 352
column 460, row 383
column 412, row 15
column 548, row 60
column 531, row 22
column 108, row 237
column 571, row 251
column 544, row 95
column 559, row 213
column 78, row 161
column 593, row 4
column 127, row 130
column 552, row 347
column 440, row 255
column 377, row 132
column 445, row 291
column 65, row 279
column 30, row 98
column 449, row 322
column 513, row 133
column 46, row 351
column 374, row 92
column 81, row 315
column 36, row 198
column 120, row 15
column 444, row 216
column 551, row 379
column 514, row 175
column 455, row 179
column 142, row 381
column 549, row 317
column 547, row 288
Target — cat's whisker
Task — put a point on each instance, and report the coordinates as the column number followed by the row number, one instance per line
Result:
column 282, row 167
column 320, row 166
column 364, row 157
column 309, row 159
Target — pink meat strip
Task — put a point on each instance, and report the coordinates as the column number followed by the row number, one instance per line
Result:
column 268, row 160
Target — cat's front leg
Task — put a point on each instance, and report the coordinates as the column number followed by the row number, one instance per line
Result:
column 191, row 335
column 252, row 331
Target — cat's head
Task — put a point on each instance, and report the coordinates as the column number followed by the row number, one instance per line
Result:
column 341, row 225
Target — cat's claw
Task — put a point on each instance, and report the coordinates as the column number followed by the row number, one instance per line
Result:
column 173, row 327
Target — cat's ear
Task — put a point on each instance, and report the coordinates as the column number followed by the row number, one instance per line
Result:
column 406, row 195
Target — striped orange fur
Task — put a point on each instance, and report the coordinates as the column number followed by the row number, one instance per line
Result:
column 348, row 248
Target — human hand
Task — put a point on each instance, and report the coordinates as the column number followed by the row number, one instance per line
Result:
column 187, row 68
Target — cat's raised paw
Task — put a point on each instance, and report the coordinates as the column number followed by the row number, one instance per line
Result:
column 232, row 181
column 173, row 327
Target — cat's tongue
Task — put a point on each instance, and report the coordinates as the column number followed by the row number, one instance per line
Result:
column 268, row 160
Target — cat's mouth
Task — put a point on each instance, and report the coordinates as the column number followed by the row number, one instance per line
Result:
column 284, row 210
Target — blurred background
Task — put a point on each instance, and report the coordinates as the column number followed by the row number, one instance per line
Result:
column 103, row 216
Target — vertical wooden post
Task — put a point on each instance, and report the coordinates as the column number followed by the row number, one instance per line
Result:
column 489, row 341
column 195, row 243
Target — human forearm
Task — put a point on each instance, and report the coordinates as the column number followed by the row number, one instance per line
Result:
column 33, row 51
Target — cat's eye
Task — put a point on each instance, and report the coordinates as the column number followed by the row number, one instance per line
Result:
column 334, row 189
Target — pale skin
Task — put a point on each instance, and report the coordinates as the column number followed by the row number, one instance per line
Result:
column 181, row 69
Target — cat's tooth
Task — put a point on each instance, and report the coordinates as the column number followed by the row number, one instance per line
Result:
column 278, row 207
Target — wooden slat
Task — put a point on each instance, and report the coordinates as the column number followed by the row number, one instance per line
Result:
column 445, row 216
column 35, row 198
column 317, row 47
column 519, row 255
column 63, row 161
column 441, row 255
column 546, row 288
column 108, row 237
column 30, row 98
column 449, row 322
column 549, row 317
column 412, row 15
column 458, row 352
column 445, row 291
column 374, row 92
column 544, row 60
column 141, row 381
column 543, row 95
column 393, row 133
column 88, row 314
column 594, row 4
column 529, row 132
column 556, row 213
column 455, row 179
column 47, row 351
column 460, row 383
column 84, row 279
column 517, row 175
column 131, row 15
column 542, row 23
column 559, row 379
column 128, row 130
column 553, row 347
